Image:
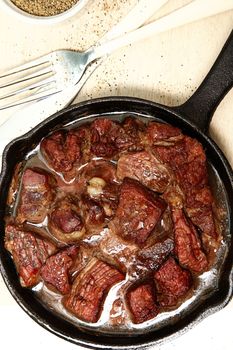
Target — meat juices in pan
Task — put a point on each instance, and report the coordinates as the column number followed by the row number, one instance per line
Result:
column 117, row 211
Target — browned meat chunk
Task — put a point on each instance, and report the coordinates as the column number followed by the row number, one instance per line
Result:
column 35, row 197
column 109, row 137
column 172, row 155
column 142, row 303
column 94, row 213
column 29, row 253
column 144, row 167
column 55, row 272
column 187, row 243
column 188, row 161
column 172, row 283
column 117, row 251
column 104, row 133
column 152, row 257
column 192, row 175
column 90, row 289
column 138, row 212
column 131, row 135
column 184, row 151
column 62, row 151
column 65, row 222
column 160, row 133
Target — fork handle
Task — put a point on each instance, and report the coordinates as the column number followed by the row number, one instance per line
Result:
column 196, row 10
column 134, row 19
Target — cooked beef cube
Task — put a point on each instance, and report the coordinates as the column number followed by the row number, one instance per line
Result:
column 65, row 222
column 36, row 196
column 138, row 212
column 144, row 167
column 188, row 161
column 84, row 136
column 62, row 151
column 104, row 132
column 117, row 251
column 104, row 127
column 187, row 243
column 192, row 175
column 94, row 213
column 131, row 135
column 159, row 132
column 172, row 155
column 104, row 149
column 109, row 137
column 152, row 257
column 29, row 252
column 55, row 272
column 142, row 303
column 184, row 151
column 199, row 208
column 194, row 150
column 66, row 219
column 90, row 289
column 203, row 218
column 172, row 282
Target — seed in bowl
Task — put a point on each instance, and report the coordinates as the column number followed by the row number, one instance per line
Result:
column 44, row 7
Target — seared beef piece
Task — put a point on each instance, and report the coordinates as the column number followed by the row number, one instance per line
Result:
column 35, row 197
column 173, row 155
column 90, row 289
column 117, row 251
column 152, row 257
column 187, row 243
column 142, row 303
column 62, row 150
column 192, row 175
column 199, row 203
column 65, row 222
column 138, row 212
column 55, row 272
column 172, row 282
column 144, row 167
column 94, row 213
column 29, row 253
column 184, row 151
column 130, row 137
column 84, row 136
column 104, row 133
column 188, row 161
column 158, row 133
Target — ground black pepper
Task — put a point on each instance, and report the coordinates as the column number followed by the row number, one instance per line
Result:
column 44, row 7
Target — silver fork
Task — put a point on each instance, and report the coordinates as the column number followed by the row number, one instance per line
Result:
column 61, row 69
column 53, row 73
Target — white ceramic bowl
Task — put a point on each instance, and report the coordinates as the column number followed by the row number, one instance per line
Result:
column 13, row 9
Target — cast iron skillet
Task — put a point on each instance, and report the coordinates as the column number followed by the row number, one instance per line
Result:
column 193, row 117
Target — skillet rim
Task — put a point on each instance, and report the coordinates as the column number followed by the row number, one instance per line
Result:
column 209, row 309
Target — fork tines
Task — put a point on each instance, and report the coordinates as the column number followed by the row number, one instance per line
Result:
column 31, row 81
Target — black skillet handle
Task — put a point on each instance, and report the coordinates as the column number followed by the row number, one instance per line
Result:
column 200, row 107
